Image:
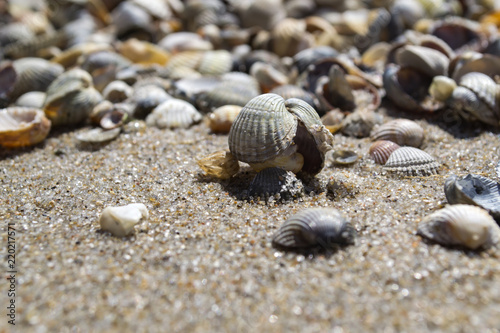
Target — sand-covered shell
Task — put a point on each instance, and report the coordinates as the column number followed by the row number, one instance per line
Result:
column 474, row 190
column 22, row 126
column 360, row 123
column 411, row 161
column 404, row 132
column 221, row 120
column 270, row 131
column 462, row 225
column 380, row 150
column 315, row 227
column 221, row 165
column 275, row 182
column 173, row 113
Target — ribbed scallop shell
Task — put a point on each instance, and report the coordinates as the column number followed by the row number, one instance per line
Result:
column 21, row 126
column 381, row 150
column 173, row 113
column 404, row 132
column 315, row 227
column 474, row 190
column 273, row 181
column 463, row 225
column 411, row 161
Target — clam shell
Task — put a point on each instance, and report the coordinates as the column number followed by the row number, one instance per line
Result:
column 428, row 61
column 486, row 90
column 131, row 20
column 463, row 225
column 469, row 105
column 381, row 150
column 184, row 41
column 142, row 52
column 474, row 190
column 344, row 157
column 411, row 161
column 117, row 91
column 226, row 93
column 221, row 120
column 289, row 36
column 292, row 91
column 97, row 135
column 146, row 98
column 305, row 58
column 404, row 132
column 221, row 165
column 173, row 113
column 267, row 76
column 22, row 126
column 315, row 227
column 275, row 181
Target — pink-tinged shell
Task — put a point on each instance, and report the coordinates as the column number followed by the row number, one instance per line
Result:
column 381, row 150
column 404, row 132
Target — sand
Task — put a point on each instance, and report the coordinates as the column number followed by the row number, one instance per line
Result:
column 203, row 261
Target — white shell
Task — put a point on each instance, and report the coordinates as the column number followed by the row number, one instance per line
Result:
column 411, row 161
column 464, row 225
column 120, row 221
column 173, row 113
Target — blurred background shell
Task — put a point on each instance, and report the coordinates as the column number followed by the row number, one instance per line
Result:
column 173, row 113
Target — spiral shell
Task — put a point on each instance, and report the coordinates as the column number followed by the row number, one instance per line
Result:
column 173, row 113
column 270, row 131
column 404, row 132
column 381, row 150
column 411, row 161
column 315, row 227
column 22, row 126
column 474, row 190
column 463, row 225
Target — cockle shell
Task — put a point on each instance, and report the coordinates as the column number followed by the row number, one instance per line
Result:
column 222, row 118
column 411, row 161
column 275, row 181
column 270, row 131
column 292, row 91
column 146, row 98
column 221, row 165
column 381, row 150
column 173, row 113
column 474, row 190
column 120, row 221
column 142, row 52
column 22, row 126
column 315, row 227
column 404, row 132
column 463, row 225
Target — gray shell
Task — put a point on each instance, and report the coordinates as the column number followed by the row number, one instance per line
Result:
column 411, row 161
column 474, row 190
column 463, row 225
column 315, row 227
column 404, row 132
column 34, row 74
column 173, row 113
column 275, row 181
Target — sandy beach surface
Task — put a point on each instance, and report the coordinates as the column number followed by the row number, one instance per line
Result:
column 203, row 261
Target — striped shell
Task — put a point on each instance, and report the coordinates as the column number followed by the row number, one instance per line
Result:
column 404, row 132
column 221, row 120
column 270, row 131
column 275, row 181
column 22, row 126
column 173, row 113
column 315, row 227
column 411, row 161
column 117, row 91
column 463, row 225
column 380, row 150
column 498, row 169
column 474, row 190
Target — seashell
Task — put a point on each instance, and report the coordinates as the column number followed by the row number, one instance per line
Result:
column 131, row 20
column 474, row 62
column 267, row 76
column 221, row 165
column 339, row 92
column 103, row 66
column 462, row 225
column 120, row 221
column 21, row 126
column 270, row 131
column 144, row 53
column 299, row 8
column 32, row 99
column 157, row 9
column 498, row 169
column 404, row 132
column 71, row 98
column 275, row 181
column 173, row 113
column 184, row 41
column 474, row 190
column 322, row 32
column 264, row 14
column 33, row 74
column 97, row 135
column 206, row 63
column 221, row 119
column 15, row 32
column 315, row 227
column 292, row 91
column 109, row 115
column 146, row 98
column 381, row 150
column 442, row 87
column 360, row 123
column 226, row 93
column 117, row 91
column 344, row 157
column 460, row 34
column 303, row 59
column 426, row 60
column 289, row 36
column 376, row 55
column 68, row 58
column 411, row 161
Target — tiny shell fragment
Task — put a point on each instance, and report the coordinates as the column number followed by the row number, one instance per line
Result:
column 120, row 221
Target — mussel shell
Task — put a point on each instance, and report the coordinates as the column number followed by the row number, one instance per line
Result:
column 462, row 225
column 411, row 161
column 404, row 132
column 275, row 181
column 173, row 113
column 315, row 227
column 474, row 190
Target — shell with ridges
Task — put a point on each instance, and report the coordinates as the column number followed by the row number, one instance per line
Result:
column 173, row 113
column 404, row 132
column 412, row 162
column 464, row 225
column 275, row 181
column 315, row 227
column 381, row 150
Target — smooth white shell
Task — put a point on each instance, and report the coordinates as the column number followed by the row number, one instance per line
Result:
column 120, row 221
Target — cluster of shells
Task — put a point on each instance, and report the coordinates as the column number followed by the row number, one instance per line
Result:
column 280, row 77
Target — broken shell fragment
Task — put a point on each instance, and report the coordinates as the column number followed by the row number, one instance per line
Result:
column 221, row 165
column 22, row 126
column 315, row 227
column 120, row 221
column 463, row 225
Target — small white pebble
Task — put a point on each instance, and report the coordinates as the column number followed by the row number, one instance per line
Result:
column 120, row 221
